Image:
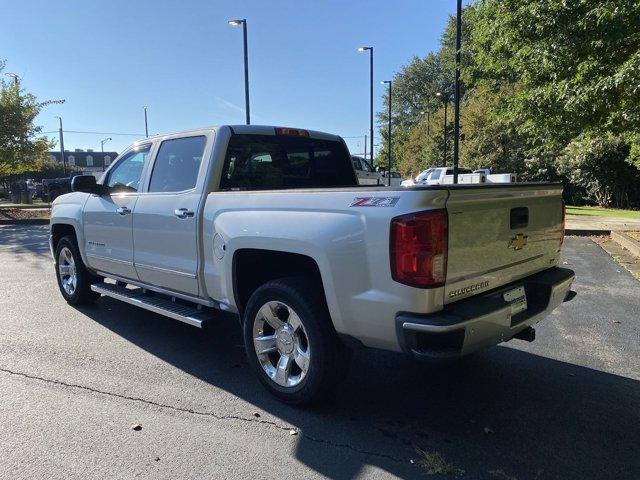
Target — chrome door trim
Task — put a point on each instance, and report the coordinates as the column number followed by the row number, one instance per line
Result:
column 165, row 270
column 108, row 259
column 153, row 288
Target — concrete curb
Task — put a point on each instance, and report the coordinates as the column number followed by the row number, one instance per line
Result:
column 25, row 221
column 627, row 242
column 582, row 232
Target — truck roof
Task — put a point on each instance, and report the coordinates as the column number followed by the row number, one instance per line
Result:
column 247, row 130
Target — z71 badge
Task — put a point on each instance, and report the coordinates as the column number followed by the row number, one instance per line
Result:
column 374, row 202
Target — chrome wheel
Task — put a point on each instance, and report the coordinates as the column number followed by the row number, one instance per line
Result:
column 281, row 343
column 67, row 271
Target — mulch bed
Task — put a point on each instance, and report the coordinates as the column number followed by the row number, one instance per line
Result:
column 23, row 213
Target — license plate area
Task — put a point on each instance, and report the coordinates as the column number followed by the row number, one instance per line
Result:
column 517, row 298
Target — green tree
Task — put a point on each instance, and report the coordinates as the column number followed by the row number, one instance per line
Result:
column 21, row 146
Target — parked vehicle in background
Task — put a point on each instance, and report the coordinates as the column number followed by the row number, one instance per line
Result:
column 269, row 224
column 396, row 178
column 365, row 172
column 442, row 175
column 52, row 188
column 497, row 177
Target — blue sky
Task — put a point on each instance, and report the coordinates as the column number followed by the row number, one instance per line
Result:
column 183, row 60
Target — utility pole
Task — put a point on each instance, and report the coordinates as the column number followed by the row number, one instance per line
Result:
column 365, row 150
column 64, row 161
column 146, row 126
column 456, row 115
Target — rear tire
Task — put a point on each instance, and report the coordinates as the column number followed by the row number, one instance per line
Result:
column 291, row 343
column 74, row 280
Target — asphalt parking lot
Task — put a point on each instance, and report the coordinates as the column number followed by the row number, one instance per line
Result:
column 73, row 382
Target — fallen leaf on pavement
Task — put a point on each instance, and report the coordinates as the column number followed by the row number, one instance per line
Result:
column 136, row 427
column 293, row 432
column 256, row 414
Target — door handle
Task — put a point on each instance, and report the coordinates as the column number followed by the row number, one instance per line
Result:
column 123, row 211
column 183, row 213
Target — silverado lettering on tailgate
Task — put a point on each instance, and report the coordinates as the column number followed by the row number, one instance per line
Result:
column 469, row 289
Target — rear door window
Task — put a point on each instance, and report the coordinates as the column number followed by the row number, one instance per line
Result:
column 177, row 164
column 267, row 162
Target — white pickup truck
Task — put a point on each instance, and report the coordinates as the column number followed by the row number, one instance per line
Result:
column 270, row 224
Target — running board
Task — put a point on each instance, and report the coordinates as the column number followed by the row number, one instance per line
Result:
column 138, row 297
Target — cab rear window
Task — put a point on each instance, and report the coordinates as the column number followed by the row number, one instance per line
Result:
column 268, row 162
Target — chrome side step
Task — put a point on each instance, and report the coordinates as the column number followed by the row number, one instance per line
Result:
column 138, row 297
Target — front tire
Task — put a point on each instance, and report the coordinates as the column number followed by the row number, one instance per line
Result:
column 74, row 280
column 290, row 341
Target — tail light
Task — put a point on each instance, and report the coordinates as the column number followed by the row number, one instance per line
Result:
column 562, row 222
column 418, row 249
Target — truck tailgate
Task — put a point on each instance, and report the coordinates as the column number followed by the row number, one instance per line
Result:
column 498, row 235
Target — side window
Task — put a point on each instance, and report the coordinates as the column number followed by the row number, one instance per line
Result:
column 435, row 174
column 365, row 166
column 125, row 175
column 177, row 164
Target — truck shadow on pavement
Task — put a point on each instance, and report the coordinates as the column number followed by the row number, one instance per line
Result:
column 503, row 414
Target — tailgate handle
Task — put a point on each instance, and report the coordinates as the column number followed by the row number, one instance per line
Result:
column 519, row 217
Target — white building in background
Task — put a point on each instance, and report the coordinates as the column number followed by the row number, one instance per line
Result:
column 85, row 160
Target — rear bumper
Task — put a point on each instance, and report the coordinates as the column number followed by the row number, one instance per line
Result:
column 483, row 320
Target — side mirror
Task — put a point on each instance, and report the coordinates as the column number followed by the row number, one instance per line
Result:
column 86, row 184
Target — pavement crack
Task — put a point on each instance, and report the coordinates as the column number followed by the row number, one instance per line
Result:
column 205, row 414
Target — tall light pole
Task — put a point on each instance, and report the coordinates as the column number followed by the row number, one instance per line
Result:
column 14, row 76
column 146, row 125
column 243, row 22
column 388, row 82
column 102, row 142
column 456, row 115
column 427, row 113
column 64, row 161
column 445, row 97
column 370, row 50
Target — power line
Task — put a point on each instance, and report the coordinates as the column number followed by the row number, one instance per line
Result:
column 97, row 133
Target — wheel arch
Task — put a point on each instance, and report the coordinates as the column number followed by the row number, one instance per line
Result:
column 253, row 267
column 62, row 227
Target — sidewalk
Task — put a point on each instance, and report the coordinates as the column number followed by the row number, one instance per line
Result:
column 576, row 224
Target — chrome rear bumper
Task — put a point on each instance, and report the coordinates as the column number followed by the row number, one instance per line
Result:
column 482, row 320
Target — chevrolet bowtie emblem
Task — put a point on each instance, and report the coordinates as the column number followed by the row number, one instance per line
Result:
column 518, row 241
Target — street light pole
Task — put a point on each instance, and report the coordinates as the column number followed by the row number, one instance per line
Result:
column 389, row 82
column 102, row 142
column 14, row 76
column 444, row 96
column 146, row 125
column 235, row 23
column 456, row 115
column 64, row 162
column 446, row 104
column 370, row 49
